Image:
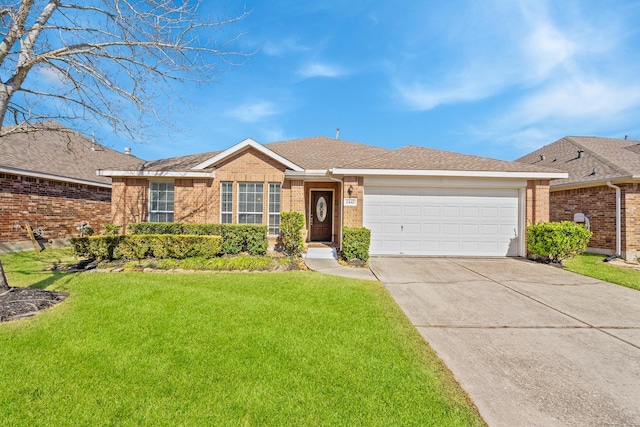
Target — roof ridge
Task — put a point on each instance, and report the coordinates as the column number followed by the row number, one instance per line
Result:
column 604, row 160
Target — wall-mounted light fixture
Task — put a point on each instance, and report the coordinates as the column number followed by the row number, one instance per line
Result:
column 350, row 190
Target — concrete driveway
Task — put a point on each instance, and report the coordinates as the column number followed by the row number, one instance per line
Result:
column 532, row 344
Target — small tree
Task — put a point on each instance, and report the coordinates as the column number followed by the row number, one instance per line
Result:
column 290, row 238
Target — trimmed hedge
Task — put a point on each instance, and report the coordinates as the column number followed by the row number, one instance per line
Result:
column 355, row 243
column 236, row 238
column 140, row 246
column 290, row 238
column 557, row 241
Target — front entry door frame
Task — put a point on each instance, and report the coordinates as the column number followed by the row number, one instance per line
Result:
column 321, row 231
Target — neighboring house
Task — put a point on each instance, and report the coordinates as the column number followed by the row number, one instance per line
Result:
column 48, row 180
column 603, row 185
column 416, row 201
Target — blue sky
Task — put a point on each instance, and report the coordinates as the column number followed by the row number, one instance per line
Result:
column 492, row 78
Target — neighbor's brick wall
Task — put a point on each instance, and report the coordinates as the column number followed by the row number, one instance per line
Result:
column 599, row 205
column 353, row 214
column 55, row 207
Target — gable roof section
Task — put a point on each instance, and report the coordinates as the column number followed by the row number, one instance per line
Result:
column 320, row 152
column 602, row 159
column 244, row 145
column 53, row 151
column 421, row 161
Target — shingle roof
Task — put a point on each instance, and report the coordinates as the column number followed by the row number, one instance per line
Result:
column 421, row 158
column 181, row 163
column 323, row 153
column 602, row 159
column 53, row 149
column 320, row 152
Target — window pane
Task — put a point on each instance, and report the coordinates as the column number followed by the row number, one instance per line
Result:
column 226, row 202
column 250, row 202
column 161, row 201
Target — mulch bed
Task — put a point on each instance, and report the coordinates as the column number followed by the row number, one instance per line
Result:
column 18, row 303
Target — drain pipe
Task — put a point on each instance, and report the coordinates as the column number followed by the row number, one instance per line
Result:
column 618, row 221
column 341, row 201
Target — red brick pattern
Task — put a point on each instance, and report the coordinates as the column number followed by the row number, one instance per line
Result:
column 599, row 205
column 55, row 207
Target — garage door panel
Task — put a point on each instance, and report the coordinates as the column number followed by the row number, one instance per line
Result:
column 442, row 221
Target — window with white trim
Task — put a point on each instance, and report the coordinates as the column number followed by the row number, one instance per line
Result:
column 250, row 202
column 161, row 201
column 274, row 209
column 226, row 202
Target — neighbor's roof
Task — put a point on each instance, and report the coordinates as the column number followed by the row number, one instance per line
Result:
column 51, row 150
column 602, row 159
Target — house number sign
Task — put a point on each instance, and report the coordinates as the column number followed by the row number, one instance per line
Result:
column 351, row 202
column 321, row 209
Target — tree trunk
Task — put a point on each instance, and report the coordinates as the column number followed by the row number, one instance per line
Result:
column 4, row 285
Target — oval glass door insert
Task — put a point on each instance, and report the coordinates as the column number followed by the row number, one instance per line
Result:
column 321, row 209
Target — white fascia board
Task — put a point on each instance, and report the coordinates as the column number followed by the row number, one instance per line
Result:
column 305, row 174
column 157, row 174
column 33, row 174
column 598, row 183
column 466, row 174
column 243, row 145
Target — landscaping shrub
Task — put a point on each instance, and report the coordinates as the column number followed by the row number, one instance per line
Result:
column 236, row 238
column 557, row 241
column 355, row 243
column 290, row 239
column 137, row 247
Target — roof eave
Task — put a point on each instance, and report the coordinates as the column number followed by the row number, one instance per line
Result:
column 596, row 183
column 452, row 173
column 306, row 174
column 156, row 174
column 52, row 177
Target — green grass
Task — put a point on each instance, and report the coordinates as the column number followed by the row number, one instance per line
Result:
column 591, row 265
column 281, row 349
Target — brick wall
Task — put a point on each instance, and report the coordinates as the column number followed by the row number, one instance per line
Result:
column 353, row 214
column 599, row 205
column 537, row 201
column 55, row 207
column 130, row 200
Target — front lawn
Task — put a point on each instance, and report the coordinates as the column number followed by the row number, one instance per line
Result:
column 278, row 349
column 591, row 265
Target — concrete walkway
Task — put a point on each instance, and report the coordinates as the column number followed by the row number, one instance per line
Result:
column 532, row 344
column 325, row 260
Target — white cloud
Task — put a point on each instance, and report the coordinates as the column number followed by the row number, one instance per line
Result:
column 318, row 69
column 49, row 75
column 284, row 47
column 253, row 112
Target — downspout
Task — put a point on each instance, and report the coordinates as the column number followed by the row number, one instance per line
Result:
column 618, row 220
column 341, row 204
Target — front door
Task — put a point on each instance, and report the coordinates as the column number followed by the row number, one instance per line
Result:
column 320, row 216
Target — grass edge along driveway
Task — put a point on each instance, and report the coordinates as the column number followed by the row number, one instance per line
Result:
column 592, row 265
column 222, row 349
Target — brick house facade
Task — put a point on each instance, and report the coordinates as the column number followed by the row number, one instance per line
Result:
column 311, row 174
column 48, row 180
column 592, row 163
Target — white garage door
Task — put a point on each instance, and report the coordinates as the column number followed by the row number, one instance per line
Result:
column 442, row 221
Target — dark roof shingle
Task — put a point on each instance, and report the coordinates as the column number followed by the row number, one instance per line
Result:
column 601, row 159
